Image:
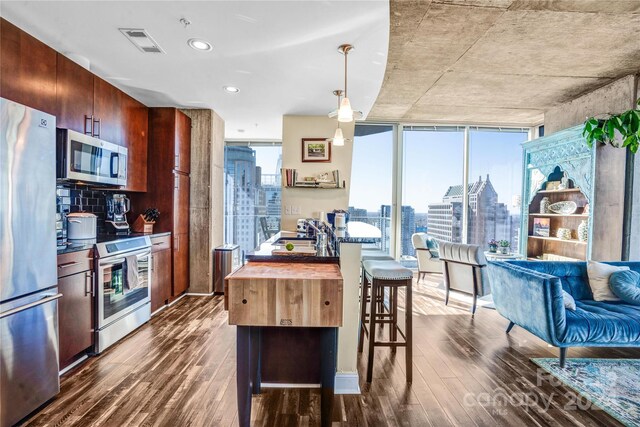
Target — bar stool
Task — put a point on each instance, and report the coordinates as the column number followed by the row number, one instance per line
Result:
column 392, row 275
column 365, row 285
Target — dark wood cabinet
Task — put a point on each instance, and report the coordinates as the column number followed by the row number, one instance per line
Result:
column 74, row 95
column 27, row 69
column 135, row 127
column 168, row 189
column 76, row 307
column 183, row 143
column 161, row 277
column 180, row 263
column 107, row 109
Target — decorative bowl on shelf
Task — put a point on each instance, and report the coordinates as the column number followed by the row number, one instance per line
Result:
column 566, row 207
column 564, row 233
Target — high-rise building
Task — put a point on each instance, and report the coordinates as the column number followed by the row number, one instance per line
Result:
column 241, row 176
column 488, row 219
column 408, row 227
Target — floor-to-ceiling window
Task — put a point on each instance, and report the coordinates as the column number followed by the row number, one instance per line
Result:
column 427, row 187
column 371, row 181
column 431, row 187
column 252, row 193
column 495, row 185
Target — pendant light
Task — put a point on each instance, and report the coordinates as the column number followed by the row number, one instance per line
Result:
column 345, row 112
column 338, row 137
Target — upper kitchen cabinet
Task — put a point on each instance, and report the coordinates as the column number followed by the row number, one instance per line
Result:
column 27, row 69
column 74, row 96
column 183, row 143
column 135, row 126
column 170, row 134
column 107, row 111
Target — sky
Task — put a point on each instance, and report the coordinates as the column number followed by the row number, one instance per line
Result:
column 433, row 162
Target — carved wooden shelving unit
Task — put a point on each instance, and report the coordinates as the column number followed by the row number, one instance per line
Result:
column 547, row 159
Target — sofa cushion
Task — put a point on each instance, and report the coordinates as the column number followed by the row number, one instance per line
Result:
column 573, row 275
column 569, row 302
column 599, row 274
column 626, row 286
column 614, row 323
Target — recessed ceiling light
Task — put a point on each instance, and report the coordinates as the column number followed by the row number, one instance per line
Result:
column 241, row 130
column 199, row 44
column 231, row 89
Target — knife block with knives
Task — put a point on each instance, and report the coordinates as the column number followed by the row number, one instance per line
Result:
column 144, row 222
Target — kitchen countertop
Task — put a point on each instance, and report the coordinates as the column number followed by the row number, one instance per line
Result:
column 101, row 238
column 263, row 254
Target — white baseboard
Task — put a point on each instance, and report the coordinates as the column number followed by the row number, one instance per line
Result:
column 347, row 383
column 287, row 385
column 198, row 294
column 176, row 300
column 73, row 365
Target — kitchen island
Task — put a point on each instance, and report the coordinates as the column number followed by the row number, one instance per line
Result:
column 283, row 310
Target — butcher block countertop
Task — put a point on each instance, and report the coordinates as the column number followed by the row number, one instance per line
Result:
column 285, row 294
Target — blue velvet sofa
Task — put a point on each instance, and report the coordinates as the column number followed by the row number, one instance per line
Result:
column 529, row 294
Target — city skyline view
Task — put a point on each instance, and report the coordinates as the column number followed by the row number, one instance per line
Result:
column 431, row 190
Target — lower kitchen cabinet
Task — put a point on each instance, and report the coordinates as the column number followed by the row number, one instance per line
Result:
column 180, row 264
column 160, row 278
column 75, row 316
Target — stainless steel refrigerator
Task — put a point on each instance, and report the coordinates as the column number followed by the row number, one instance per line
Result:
column 28, row 278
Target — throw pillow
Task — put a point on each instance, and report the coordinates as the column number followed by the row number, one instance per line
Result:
column 626, row 285
column 432, row 245
column 599, row 274
column 569, row 302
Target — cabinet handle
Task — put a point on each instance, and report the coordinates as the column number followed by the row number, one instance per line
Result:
column 93, row 127
column 176, row 183
column 177, row 158
column 176, row 243
column 151, row 262
column 88, row 130
column 68, row 264
column 88, row 283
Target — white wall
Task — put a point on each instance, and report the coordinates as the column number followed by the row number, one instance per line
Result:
column 313, row 201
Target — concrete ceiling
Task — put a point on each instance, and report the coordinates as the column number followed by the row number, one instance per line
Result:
column 281, row 54
column 502, row 61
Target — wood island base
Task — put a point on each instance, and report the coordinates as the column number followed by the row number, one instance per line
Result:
column 249, row 358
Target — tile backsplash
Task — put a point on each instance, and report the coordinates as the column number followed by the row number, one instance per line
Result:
column 77, row 198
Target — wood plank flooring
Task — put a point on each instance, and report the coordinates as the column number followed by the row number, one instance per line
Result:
column 179, row 370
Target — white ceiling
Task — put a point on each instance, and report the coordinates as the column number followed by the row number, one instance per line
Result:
column 281, row 54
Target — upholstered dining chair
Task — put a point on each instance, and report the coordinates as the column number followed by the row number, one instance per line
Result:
column 465, row 270
column 427, row 253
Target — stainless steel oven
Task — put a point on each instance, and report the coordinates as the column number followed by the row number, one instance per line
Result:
column 123, row 274
column 84, row 158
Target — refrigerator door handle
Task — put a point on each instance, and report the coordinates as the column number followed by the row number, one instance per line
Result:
column 44, row 300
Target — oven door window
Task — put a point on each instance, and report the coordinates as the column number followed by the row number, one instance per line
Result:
column 94, row 161
column 119, row 294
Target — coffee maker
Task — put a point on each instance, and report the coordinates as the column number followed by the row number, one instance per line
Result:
column 117, row 207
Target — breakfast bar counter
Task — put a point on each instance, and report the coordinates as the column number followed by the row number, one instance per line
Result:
column 287, row 317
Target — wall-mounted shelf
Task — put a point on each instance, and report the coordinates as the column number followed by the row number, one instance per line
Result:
column 327, row 181
column 318, row 187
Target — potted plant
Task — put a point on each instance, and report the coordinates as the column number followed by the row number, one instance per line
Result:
column 504, row 246
column 625, row 125
column 493, row 246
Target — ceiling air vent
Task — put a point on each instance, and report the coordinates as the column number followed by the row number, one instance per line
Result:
column 141, row 39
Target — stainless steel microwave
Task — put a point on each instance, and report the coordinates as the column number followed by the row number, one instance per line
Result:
column 84, row 158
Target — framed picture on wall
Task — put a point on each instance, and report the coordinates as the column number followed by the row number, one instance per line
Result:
column 316, row 150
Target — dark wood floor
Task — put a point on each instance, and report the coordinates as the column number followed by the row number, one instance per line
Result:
column 179, row 370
